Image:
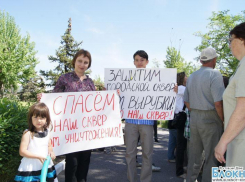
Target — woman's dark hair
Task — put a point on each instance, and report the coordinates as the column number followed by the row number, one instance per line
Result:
column 142, row 54
column 85, row 53
column 226, row 81
column 239, row 31
column 180, row 78
column 39, row 110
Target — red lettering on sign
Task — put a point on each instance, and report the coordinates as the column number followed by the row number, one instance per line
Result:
column 80, row 103
column 54, row 106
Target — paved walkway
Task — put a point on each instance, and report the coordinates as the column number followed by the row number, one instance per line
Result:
column 112, row 167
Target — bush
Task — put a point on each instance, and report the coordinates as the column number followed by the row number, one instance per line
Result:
column 163, row 123
column 13, row 121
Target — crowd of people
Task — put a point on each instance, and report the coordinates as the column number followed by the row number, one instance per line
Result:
column 203, row 108
column 215, row 117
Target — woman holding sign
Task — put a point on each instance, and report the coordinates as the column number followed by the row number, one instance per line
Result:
column 77, row 163
column 180, row 117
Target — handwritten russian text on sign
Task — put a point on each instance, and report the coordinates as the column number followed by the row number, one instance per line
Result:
column 144, row 93
column 84, row 120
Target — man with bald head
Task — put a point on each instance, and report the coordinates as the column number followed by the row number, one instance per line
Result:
column 203, row 97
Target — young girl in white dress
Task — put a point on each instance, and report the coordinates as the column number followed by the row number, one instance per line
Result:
column 36, row 145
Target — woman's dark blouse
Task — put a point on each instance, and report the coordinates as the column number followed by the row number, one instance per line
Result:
column 70, row 82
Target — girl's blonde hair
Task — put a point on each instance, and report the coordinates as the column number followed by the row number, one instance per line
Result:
column 39, row 110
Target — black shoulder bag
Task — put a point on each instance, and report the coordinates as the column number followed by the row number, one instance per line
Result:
column 179, row 119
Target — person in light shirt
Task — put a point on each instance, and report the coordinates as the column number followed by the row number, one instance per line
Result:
column 233, row 138
column 180, row 110
column 203, row 97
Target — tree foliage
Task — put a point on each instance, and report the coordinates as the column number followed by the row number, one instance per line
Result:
column 31, row 88
column 175, row 60
column 98, row 83
column 63, row 57
column 17, row 55
column 13, row 117
column 220, row 24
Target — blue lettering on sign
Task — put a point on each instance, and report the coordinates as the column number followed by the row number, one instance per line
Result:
column 228, row 173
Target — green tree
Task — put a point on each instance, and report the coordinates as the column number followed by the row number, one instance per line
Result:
column 98, row 83
column 220, row 24
column 175, row 60
column 31, row 88
column 63, row 58
column 17, row 55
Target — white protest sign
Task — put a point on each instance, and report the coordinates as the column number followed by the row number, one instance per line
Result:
column 84, row 120
column 144, row 93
